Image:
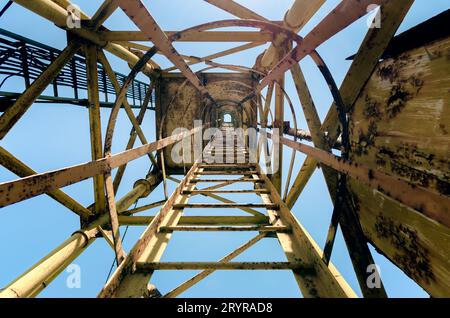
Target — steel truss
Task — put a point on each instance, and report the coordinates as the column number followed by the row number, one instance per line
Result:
column 315, row 275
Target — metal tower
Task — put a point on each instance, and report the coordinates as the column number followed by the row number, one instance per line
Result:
column 386, row 170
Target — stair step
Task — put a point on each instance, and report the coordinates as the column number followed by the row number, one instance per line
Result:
column 270, row 206
column 230, row 153
column 225, row 191
column 194, row 180
column 225, row 172
column 230, row 148
column 231, row 166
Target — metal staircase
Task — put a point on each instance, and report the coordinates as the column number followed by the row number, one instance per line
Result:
column 314, row 277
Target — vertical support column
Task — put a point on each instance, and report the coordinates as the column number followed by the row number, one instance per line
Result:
column 95, row 123
column 264, row 119
column 277, row 166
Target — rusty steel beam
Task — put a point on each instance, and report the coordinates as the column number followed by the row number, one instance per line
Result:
column 91, row 53
column 295, row 19
column 368, row 56
column 212, row 193
column 196, row 60
column 25, row 188
column 347, row 12
column 252, row 228
column 39, row 276
column 431, row 204
column 314, row 124
column 16, row 166
column 236, row 9
column 133, row 134
column 305, row 173
column 125, row 281
column 138, row 13
column 209, row 36
column 354, row 237
column 34, row 280
column 103, row 13
column 134, row 121
column 197, row 220
column 57, row 13
column 224, row 205
column 202, row 275
column 298, row 244
column 143, row 208
column 114, row 219
column 277, row 174
column 151, row 266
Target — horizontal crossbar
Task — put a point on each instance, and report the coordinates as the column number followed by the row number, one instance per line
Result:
column 226, row 172
column 169, row 229
column 227, row 180
column 225, row 191
column 270, row 206
column 199, row 220
column 150, row 266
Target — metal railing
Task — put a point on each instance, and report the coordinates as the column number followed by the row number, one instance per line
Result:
column 26, row 58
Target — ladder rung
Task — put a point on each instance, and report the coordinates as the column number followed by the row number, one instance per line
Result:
column 226, row 156
column 269, row 206
column 228, row 165
column 150, row 266
column 239, row 151
column 257, row 228
column 227, row 153
column 194, row 180
column 228, row 149
column 230, row 168
column 234, row 161
column 225, row 191
column 225, row 172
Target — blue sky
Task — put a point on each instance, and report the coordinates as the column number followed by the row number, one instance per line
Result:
column 55, row 136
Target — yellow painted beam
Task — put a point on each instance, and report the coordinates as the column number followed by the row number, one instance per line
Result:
column 22, row 170
column 58, row 15
column 95, row 124
column 207, row 36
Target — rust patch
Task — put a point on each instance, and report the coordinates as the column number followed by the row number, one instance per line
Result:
column 414, row 175
column 365, row 140
column 443, row 187
column 371, row 109
column 416, row 82
column 388, row 73
column 403, row 160
column 410, row 253
column 397, row 100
